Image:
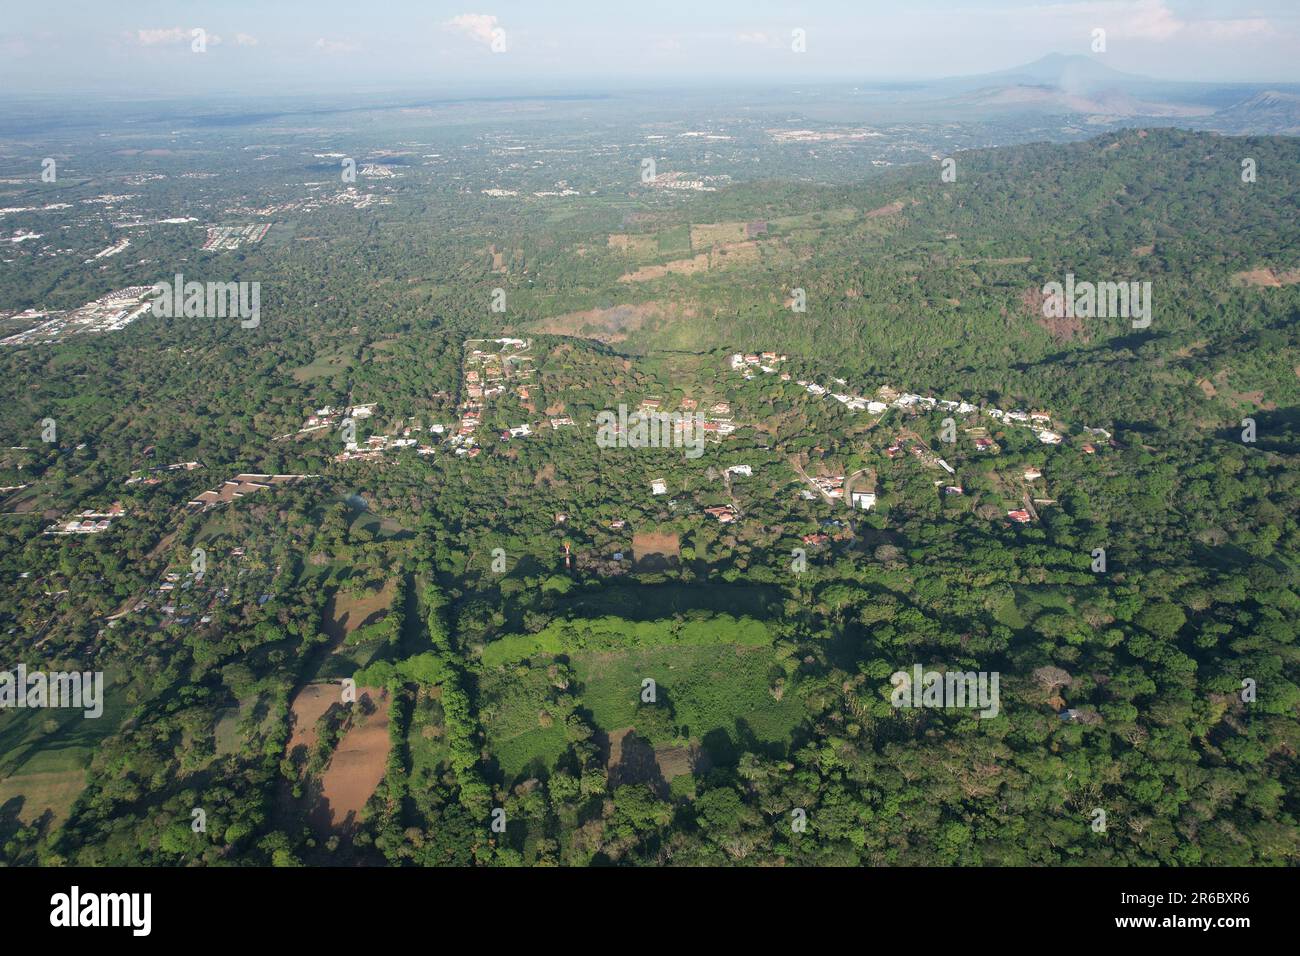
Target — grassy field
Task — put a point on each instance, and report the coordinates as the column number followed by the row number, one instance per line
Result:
column 613, row 633
column 720, row 698
column 426, row 736
column 44, row 753
column 514, row 702
column 675, row 240
column 322, row 366
column 719, row 695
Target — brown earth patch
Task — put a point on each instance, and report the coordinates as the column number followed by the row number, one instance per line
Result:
column 1062, row 328
column 307, row 708
column 735, row 253
column 358, row 764
column 608, row 325
column 630, row 759
column 1269, row 278
column 634, row 245
column 891, row 209
column 163, row 544
column 655, row 549
column 677, row 761
column 707, row 234
column 349, row 610
column 691, row 266
column 1255, row 398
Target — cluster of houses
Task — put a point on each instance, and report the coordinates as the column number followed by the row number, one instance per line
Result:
column 717, row 420
column 150, row 476
column 486, row 374
column 241, row 486
column 766, row 362
column 919, row 451
column 226, row 238
column 89, row 521
column 331, row 417
column 182, row 596
column 832, row 486
column 1037, row 421
column 190, row 597
column 376, row 445
column 109, row 313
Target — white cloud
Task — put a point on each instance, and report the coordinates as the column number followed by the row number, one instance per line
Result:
column 336, row 46
column 479, row 27
column 155, row 37
column 243, row 39
column 167, row 35
column 756, row 38
column 1152, row 20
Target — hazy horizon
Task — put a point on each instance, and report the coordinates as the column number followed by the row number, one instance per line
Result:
column 510, row 47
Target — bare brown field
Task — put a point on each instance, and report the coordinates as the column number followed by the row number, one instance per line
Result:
column 655, row 548
column 638, row 246
column 307, row 708
column 719, row 257
column 608, row 325
column 891, row 209
column 735, row 253
column 349, row 610
column 679, row 761
column 691, row 266
column 1269, row 278
column 358, row 763
column 708, row 234
column 629, row 759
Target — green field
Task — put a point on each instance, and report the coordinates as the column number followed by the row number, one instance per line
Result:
column 675, row 240
column 719, row 695
column 44, row 752
column 615, row 633
column 513, row 702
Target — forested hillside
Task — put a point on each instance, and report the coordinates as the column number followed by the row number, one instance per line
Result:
column 501, row 611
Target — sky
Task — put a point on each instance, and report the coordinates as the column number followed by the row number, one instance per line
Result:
column 132, row 47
